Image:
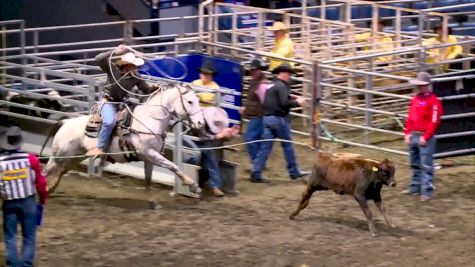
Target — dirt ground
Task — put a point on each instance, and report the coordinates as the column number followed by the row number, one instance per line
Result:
column 106, row 222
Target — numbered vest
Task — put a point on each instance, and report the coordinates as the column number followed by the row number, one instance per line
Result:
column 17, row 178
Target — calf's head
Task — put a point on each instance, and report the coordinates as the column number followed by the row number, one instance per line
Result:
column 385, row 172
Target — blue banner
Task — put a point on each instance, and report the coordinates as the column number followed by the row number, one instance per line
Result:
column 229, row 74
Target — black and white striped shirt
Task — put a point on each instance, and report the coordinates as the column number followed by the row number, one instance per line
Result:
column 17, row 177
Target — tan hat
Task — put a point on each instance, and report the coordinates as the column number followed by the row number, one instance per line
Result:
column 422, row 78
column 11, row 139
column 130, row 58
column 278, row 26
column 216, row 118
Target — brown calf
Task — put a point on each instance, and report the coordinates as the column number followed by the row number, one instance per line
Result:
column 361, row 178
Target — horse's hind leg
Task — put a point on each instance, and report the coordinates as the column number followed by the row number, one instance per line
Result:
column 56, row 169
column 148, row 167
column 158, row 159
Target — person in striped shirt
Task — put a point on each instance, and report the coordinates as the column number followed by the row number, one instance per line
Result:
column 20, row 179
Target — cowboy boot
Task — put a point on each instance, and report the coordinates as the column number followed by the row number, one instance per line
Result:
column 217, row 192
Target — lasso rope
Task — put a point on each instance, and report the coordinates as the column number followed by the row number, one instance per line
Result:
column 194, row 149
column 157, row 68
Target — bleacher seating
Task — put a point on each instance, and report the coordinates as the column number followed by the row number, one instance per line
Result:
column 365, row 11
column 332, row 13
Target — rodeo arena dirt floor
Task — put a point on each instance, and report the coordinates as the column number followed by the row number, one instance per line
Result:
column 106, row 222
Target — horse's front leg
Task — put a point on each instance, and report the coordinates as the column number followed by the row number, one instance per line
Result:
column 158, row 159
column 148, row 168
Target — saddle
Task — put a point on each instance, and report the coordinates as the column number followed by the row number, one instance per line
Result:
column 121, row 130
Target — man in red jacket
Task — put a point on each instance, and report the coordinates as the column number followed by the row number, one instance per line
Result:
column 422, row 123
column 20, row 180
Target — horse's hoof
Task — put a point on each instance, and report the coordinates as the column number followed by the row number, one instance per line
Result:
column 194, row 188
column 154, row 205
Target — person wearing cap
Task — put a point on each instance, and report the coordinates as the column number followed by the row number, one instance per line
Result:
column 445, row 53
column 283, row 46
column 206, row 79
column 122, row 77
column 382, row 43
column 253, row 108
column 277, row 104
column 423, row 120
column 21, row 179
column 215, row 132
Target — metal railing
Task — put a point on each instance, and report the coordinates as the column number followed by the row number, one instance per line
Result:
column 359, row 96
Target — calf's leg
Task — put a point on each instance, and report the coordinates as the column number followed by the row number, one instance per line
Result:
column 379, row 205
column 367, row 212
column 306, row 195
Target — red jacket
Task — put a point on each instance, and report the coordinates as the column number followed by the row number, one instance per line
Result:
column 424, row 114
column 40, row 178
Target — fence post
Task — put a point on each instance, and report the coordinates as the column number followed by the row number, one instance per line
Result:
column 316, row 96
column 234, row 39
column 177, row 152
column 346, row 12
column 368, row 103
column 421, row 28
column 36, row 42
column 128, row 32
column 91, row 99
column 260, row 30
column 22, row 52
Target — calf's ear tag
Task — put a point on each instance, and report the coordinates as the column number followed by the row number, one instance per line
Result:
column 375, row 169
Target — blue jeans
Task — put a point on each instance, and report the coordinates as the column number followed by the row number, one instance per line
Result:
column 108, row 112
column 21, row 211
column 275, row 127
column 254, row 131
column 211, row 164
column 422, row 165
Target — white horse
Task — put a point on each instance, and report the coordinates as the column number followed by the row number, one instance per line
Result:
column 148, row 128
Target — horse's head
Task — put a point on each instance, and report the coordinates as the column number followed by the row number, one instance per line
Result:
column 187, row 107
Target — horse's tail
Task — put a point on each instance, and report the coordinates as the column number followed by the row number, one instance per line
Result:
column 54, row 129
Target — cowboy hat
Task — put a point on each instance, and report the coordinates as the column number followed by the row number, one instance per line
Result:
column 207, row 68
column 278, row 26
column 284, row 67
column 216, row 118
column 257, row 64
column 422, row 78
column 11, row 138
column 130, row 58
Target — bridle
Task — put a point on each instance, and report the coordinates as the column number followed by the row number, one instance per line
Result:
column 187, row 121
column 188, row 114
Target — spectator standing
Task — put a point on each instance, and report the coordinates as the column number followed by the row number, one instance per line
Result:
column 253, row 108
column 423, row 120
column 21, row 178
column 206, row 79
column 277, row 104
column 283, row 45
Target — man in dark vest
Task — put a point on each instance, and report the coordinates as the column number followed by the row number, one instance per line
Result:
column 277, row 104
column 253, row 108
